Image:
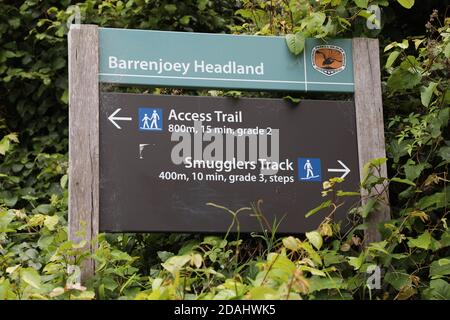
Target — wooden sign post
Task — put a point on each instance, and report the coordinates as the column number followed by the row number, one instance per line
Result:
column 84, row 139
column 96, row 55
column 369, row 123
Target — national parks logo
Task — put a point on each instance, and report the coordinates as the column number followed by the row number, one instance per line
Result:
column 328, row 59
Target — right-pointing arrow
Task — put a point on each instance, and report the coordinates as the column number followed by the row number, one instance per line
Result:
column 344, row 169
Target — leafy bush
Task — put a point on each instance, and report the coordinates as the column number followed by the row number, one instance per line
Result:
column 413, row 258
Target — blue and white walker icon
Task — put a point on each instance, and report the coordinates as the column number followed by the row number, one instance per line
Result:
column 309, row 169
column 150, row 119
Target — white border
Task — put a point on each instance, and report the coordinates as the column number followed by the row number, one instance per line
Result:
column 223, row 79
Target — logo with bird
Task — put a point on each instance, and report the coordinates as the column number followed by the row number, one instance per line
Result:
column 328, row 59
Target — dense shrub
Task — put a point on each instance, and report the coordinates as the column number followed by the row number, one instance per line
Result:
column 37, row 261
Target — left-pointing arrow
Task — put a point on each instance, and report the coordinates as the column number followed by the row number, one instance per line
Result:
column 344, row 169
column 113, row 119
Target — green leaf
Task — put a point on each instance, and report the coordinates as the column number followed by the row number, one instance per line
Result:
column 445, row 239
column 313, row 271
column 366, row 14
column 201, row 4
column 174, row 264
column 317, row 283
column 6, row 217
column 109, row 283
column 379, row 246
column 14, row 22
column 391, row 59
column 367, row 208
column 439, row 290
column 390, row 46
column 440, row 267
column 262, row 293
column 164, row 255
column 291, row 243
column 245, row 13
column 5, row 143
column 444, row 153
column 44, row 209
column 356, row 262
column 51, row 221
column 311, row 252
column 315, row 238
column 31, row 277
column 185, row 20
column 413, row 171
column 281, row 262
column 418, row 42
column 403, row 45
column 292, row 99
column 295, row 42
column 170, row 8
column 323, row 205
column 405, row 181
column 435, row 201
column 447, row 51
column 317, row 19
column 362, row 3
column 401, row 79
column 377, row 162
column 118, row 255
column 423, row 241
column 444, row 116
column 8, row 198
column 65, row 97
column 5, row 290
column 406, row 3
column 45, row 241
column 341, row 193
column 189, row 246
column 63, row 181
column 398, row 279
column 84, row 295
column 280, row 270
column 427, row 92
column 332, row 257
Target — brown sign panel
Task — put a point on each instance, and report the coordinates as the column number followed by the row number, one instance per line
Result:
column 144, row 187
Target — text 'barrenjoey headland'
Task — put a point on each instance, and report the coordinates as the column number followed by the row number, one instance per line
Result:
column 222, row 61
column 161, row 66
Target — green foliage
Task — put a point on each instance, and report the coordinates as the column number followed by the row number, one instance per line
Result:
column 418, row 139
column 296, row 42
column 303, row 19
column 406, row 3
column 332, row 262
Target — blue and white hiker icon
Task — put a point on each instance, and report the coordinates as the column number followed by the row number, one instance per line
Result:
column 309, row 169
column 150, row 119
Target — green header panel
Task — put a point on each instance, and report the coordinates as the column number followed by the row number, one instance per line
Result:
column 205, row 60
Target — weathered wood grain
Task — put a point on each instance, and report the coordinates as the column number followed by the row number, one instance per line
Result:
column 84, row 138
column 369, row 123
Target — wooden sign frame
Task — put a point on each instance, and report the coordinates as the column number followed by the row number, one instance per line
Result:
column 83, row 46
